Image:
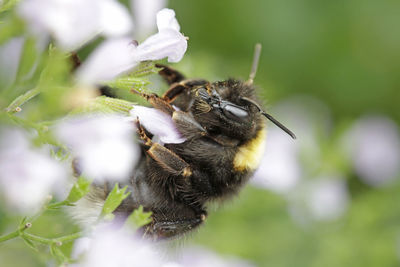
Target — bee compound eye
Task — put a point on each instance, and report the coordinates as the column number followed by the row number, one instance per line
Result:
column 233, row 112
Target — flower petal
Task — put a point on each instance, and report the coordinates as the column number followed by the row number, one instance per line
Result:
column 166, row 20
column 72, row 23
column 111, row 58
column 114, row 19
column 103, row 145
column 27, row 176
column 167, row 43
column 145, row 12
column 158, row 123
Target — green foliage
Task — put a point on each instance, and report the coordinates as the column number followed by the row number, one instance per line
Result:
column 79, row 190
column 139, row 218
column 114, row 199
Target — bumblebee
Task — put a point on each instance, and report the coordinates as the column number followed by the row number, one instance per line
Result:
column 224, row 129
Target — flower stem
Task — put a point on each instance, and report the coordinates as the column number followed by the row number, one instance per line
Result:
column 16, row 233
column 12, row 235
column 50, row 241
column 19, row 101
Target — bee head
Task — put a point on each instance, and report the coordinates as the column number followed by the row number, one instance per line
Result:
column 221, row 109
column 231, row 108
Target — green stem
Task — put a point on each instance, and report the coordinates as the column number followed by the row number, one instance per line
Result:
column 50, row 241
column 58, row 204
column 16, row 233
column 19, row 101
column 10, row 236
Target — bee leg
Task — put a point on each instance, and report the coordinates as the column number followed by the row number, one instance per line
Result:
column 187, row 125
column 179, row 88
column 169, row 74
column 169, row 161
column 184, row 121
column 157, row 102
column 169, row 228
column 164, row 157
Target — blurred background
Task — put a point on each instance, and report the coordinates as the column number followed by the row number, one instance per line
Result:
column 329, row 71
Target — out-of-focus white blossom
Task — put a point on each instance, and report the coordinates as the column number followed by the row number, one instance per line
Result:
column 158, row 123
column 104, row 145
column 27, row 175
column 111, row 58
column 74, row 22
column 324, row 198
column 374, row 146
column 116, row 57
column 10, row 54
column 144, row 12
column 108, row 246
column 280, row 168
column 286, row 161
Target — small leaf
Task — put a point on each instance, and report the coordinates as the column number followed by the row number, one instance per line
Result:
column 145, row 68
column 79, row 189
column 23, row 222
column 139, row 218
column 7, row 4
column 56, row 252
column 114, row 104
column 128, row 83
column 114, row 199
column 29, row 243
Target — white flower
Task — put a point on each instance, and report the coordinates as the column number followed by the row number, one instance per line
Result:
column 116, row 57
column 374, row 146
column 74, row 22
column 108, row 246
column 10, row 54
column 325, row 198
column 104, row 145
column 280, row 168
column 145, row 12
column 27, row 176
column 111, row 58
column 158, row 123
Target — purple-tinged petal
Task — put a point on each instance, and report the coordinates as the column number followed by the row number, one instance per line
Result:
column 167, row 43
column 114, row 19
column 166, row 20
column 373, row 143
column 144, row 13
column 103, row 145
column 158, row 123
column 27, row 175
column 112, row 58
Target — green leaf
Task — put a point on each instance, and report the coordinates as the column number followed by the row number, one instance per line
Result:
column 8, row 4
column 79, row 189
column 56, row 252
column 23, row 222
column 29, row 243
column 114, row 199
column 128, row 83
column 145, row 68
column 29, row 57
column 11, row 27
column 115, row 104
column 139, row 218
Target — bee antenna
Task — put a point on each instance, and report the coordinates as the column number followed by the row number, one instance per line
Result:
column 268, row 116
column 254, row 65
